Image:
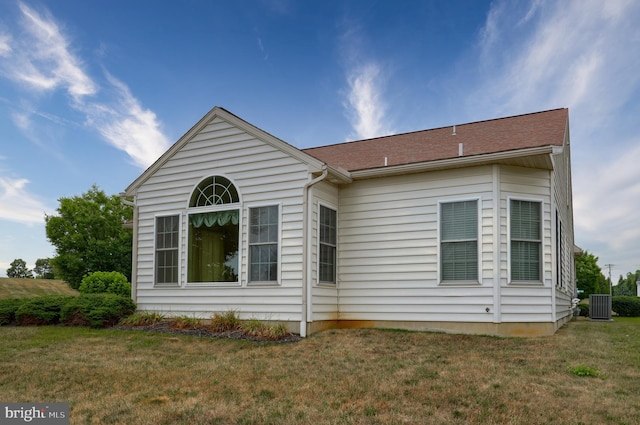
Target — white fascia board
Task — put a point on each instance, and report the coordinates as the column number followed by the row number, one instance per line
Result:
column 458, row 162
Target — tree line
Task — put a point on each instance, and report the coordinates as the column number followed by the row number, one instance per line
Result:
column 42, row 270
column 591, row 280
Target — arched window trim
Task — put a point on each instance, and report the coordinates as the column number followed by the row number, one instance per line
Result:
column 215, row 205
column 216, row 211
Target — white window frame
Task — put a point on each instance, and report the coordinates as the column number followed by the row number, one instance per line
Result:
column 155, row 250
column 278, row 280
column 335, row 277
column 541, row 202
column 214, row 208
column 439, row 241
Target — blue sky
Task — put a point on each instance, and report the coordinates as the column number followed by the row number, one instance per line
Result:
column 92, row 92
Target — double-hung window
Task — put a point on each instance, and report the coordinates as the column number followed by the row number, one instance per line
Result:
column 263, row 244
column 327, row 245
column 459, row 241
column 166, row 258
column 526, row 240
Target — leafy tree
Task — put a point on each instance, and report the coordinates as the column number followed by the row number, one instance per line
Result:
column 89, row 236
column 589, row 276
column 18, row 269
column 627, row 285
column 43, row 268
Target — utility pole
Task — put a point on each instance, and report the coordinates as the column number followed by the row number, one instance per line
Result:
column 610, row 266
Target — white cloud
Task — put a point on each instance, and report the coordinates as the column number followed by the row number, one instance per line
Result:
column 365, row 106
column 5, row 48
column 581, row 54
column 128, row 126
column 572, row 53
column 17, row 204
column 42, row 60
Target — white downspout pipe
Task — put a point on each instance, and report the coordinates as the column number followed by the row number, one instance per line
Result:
column 134, row 248
column 306, row 253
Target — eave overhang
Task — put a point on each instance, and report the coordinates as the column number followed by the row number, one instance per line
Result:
column 538, row 157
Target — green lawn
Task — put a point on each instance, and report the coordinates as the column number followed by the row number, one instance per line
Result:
column 588, row 373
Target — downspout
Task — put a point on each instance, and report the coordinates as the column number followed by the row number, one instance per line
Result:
column 497, row 281
column 134, row 248
column 554, row 245
column 306, row 253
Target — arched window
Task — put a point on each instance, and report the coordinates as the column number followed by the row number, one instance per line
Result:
column 214, row 190
column 214, row 232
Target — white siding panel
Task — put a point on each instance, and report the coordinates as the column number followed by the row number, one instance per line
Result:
column 263, row 175
column 388, row 248
column 526, row 303
column 324, row 298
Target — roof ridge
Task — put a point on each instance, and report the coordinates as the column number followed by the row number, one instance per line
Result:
column 433, row 129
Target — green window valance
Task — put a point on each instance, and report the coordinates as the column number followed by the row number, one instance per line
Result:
column 210, row 219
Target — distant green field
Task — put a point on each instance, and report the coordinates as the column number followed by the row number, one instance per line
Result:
column 23, row 288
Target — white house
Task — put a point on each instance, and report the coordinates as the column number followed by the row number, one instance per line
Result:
column 467, row 228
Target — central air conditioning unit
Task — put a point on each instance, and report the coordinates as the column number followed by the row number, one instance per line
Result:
column 600, row 307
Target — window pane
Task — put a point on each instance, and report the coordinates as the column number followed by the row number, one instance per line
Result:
column 327, row 225
column 459, row 240
column 525, row 240
column 166, row 257
column 263, row 243
column 327, row 263
column 213, row 246
column 459, row 220
column 460, row 260
column 214, row 190
column 525, row 220
column 327, row 245
column 525, row 260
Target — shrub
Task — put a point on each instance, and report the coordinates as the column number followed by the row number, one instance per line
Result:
column 253, row 327
column 224, row 322
column 8, row 308
column 584, row 309
column 96, row 310
column 143, row 318
column 42, row 310
column 259, row 329
column 109, row 282
column 626, row 306
column 184, row 322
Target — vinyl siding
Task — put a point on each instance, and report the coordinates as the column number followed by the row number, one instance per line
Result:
column 388, row 248
column 526, row 302
column 263, row 175
column 324, row 298
column 566, row 287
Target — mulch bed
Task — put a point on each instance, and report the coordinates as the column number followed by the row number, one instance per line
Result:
column 165, row 327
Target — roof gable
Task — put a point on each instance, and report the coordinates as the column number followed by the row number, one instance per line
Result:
column 533, row 130
column 315, row 164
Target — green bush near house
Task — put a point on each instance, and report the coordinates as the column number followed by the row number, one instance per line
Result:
column 41, row 310
column 106, row 282
column 626, row 306
column 96, row 310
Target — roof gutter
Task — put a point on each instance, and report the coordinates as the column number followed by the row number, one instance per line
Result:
column 463, row 161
